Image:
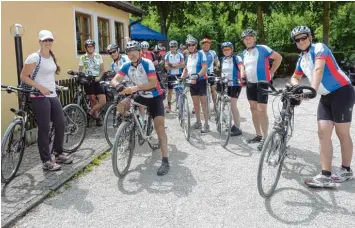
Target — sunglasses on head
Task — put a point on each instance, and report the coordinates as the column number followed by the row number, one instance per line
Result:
column 189, row 45
column 47, row 40
column 112, row 52
column 301, row 38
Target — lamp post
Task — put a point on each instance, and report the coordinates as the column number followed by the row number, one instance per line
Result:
column 17, row 31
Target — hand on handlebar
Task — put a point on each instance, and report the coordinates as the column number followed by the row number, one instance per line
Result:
column 45, row 91
column 129, row 90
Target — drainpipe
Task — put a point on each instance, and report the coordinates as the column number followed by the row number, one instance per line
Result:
column 133, row 23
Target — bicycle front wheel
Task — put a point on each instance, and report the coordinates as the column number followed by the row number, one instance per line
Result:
column 272, row 157
column 225, row 123
column 111, row 123
column 123, row 148
column 12, row 149
column 75, row 127
column 185, row 120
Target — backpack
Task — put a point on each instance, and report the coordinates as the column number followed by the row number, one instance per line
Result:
column 33, row 76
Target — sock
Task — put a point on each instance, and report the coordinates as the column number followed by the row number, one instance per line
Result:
column 165, row 160
column 326, row 173
column 169, row 103
column 346, row 167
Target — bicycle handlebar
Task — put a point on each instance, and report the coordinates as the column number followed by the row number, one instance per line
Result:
column 11, row 89
column 312, row 93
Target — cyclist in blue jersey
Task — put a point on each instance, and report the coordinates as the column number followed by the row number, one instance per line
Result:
column 174, row 64
column 141, row 72
column 335, row 107
column 256, row 62
column 212, row 60
column 196, row 63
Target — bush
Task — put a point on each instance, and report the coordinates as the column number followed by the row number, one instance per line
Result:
column 288, row 64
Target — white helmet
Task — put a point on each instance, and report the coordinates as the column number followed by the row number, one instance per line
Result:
column 145, row 45
column 300, row 30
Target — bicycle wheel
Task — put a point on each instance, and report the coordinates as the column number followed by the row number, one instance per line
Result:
column 218, row 112
column 153, row 140
column 12, row 149
column 111, row 123
column 208, row 101
column 272, row 156
column 75, row 127
column 186, row 124
column 225, row 122
column 123, row 148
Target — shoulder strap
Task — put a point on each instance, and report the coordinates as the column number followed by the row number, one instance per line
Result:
column 33, row 76
column 235, row 61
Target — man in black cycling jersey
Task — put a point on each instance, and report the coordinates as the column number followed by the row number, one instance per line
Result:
column 142, row 73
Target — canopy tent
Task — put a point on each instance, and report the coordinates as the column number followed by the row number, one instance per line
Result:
column 141, row 32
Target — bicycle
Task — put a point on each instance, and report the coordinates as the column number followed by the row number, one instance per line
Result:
column 281, row 133
column 223, row 111
column 14, row 149
column 180, row 86
column 132, row 125
column 210, row 78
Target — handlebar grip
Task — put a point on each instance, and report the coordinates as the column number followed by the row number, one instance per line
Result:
column 269, row 85
column 311, row 94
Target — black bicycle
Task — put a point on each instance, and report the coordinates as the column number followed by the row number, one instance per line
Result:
column 133, row 124
column 275, row 148
column 14, row 140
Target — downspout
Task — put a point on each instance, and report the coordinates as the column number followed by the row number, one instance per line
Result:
column 133, row 23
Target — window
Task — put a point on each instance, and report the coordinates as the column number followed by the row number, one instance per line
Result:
column 83, row 31
column 104, row 34
column 119, row 35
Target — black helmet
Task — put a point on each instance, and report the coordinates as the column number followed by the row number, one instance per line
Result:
column 89, row 42
column 248, row 32
column 300, row 30
column 112, row 47
column 133, row 45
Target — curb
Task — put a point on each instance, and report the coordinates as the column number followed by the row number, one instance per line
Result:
column 12, row 219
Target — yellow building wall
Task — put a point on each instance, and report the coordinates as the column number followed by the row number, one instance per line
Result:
column 54, row 16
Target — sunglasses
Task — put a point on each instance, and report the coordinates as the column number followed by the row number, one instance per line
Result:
column 302, row 38
column 112, row 52
column 173, row 46
column 47, row 40
column 191, row 45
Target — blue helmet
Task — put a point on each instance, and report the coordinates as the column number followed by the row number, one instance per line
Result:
column 227, row 44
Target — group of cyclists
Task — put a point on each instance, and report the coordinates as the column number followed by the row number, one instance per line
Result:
column 251, row 66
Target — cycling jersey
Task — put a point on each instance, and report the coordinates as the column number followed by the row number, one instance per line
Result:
column 139, row 75
column 194, row 63
column 256, row 63
column 91, row 64
column 211, row 57
column 115, row 66
column 176, row 58
column 230, row 71
column 333, row 77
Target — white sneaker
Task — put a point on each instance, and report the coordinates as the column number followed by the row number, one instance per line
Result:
column 321, row 181
column 342, row 175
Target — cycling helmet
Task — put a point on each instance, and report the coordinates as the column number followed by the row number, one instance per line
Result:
column 133, row 45
column 300, row 30
column 191, row 40
column 248, row 32
column 145, row 45
column 227, row 44
column 173, row 43
column 89, row 42
column 112, row 47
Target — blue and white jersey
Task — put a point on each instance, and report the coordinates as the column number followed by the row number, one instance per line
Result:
column 230, row 70
column 115, row 66
column 211, row 57
column 333, row 77
column 256, row 63
column 194, row 63
column 176, row 58
column 139, row 75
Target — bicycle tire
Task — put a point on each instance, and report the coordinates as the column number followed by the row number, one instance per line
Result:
column 70, row 129
column 224, row 141
column 115, row 149
column 111, row 111
column 218, row 111
column 264, row 152
column 150, row 131
column 187, row 122
column 4, row 178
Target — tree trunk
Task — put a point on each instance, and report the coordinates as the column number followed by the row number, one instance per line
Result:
column 326, row 9
column 163, row 15
column 260, row 24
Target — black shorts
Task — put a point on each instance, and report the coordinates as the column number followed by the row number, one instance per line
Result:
column 171, row 80
column 155, row 105
column 199, row 89
column 94, row 88
column 253, row 93
column 234, row 91
column 337, row 106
